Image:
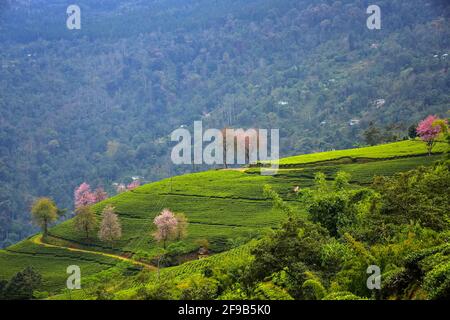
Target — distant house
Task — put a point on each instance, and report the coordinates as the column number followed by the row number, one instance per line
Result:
column 379, row 103
column 283, row 103
column 323, row 123
column 354, row 122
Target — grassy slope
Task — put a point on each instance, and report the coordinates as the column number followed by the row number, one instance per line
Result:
column 222, row 206
column 384, row 151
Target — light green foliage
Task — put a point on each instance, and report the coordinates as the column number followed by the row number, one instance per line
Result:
column 198, row 287
column 383, row 151
column 342, row 295
column 269, row 291
column 336, row 207
column 85, row 221
column 437, row 281
column 44, row 212
column 312, row 287
column 334, row 254
column 420, row 195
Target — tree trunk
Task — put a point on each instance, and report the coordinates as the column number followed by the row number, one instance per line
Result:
column 45, row 228
column 159, row 260
column 430, row 148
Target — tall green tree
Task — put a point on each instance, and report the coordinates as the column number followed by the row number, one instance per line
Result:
column 44, row 212
column 85, row 220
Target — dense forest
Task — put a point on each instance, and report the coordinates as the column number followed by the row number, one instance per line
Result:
column 98, row 104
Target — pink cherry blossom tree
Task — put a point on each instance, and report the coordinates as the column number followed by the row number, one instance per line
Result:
column 428, row 130
column 166, row 226
column 83, row 196
column 100, row 194
column 133, row 185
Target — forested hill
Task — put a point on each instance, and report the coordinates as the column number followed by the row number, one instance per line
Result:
column 97, row 104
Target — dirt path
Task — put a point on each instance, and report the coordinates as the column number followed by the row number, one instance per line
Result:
column 38, row 240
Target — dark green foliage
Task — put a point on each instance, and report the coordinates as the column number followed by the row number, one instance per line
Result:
column 293, row 249
column 372, row 135
column 412, row 133
column 329, row 209
column 421, row 195
column 335, row 207
column 437, row 281
column 3, row 284
column 429, row 269
column 22, row 285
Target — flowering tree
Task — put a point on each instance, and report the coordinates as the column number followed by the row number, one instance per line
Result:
column 100, row 194
column 121, row 188
column 166, row 226
column 110, row 228
column 133, row 185
column 428, row 130
column 84, row 196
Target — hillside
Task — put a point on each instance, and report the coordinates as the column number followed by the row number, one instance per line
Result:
column 98, row 104
column 226, row 207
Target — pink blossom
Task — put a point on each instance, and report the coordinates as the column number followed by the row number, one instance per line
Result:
column 133, row 185
column 100, row 194
column 426, row 130
column 83, row 196
column 166, row 225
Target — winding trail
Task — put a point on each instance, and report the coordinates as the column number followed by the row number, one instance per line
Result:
column 38, row 240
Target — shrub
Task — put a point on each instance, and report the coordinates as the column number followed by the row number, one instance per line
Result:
column 198, row 287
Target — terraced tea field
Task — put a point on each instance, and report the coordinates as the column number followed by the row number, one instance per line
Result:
column 226, row 207
column 409, row 148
